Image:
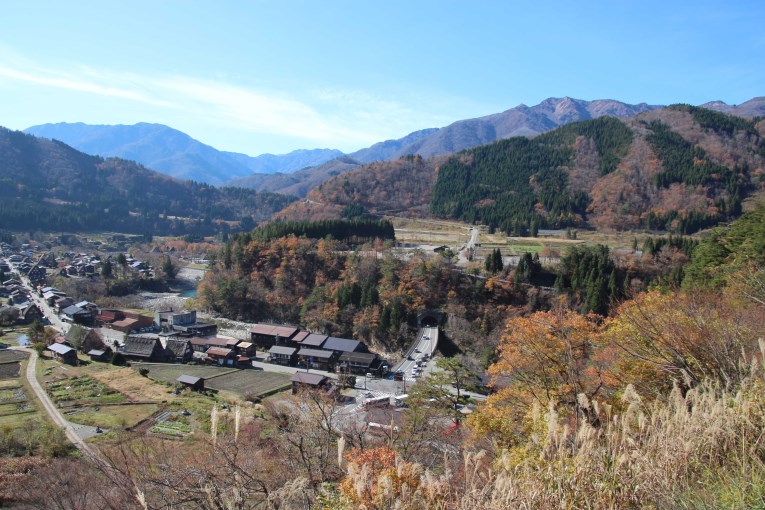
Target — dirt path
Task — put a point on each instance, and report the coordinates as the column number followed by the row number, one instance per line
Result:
column 53, row 411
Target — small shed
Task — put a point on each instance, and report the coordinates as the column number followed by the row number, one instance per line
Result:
column 190, row 381
column 63, row 353
column 104, row 354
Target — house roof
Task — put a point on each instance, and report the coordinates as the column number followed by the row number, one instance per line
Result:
column 316, row 353
column 96, row 352
column 300, row 336
column 108, row 315
column 232, row 342
column 60, row 349
column 280, row 349
column 360, row 358
column 308, row 378
column 313, row 340
column 189, row 379
column 72, row 310
column 177, row 346
column 140, row 346
column 245, row 345
column 272, row 330
column 219, row 351
column 124, row 323
column 341, row 344
column 213, row 342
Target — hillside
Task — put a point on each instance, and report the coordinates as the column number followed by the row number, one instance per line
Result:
column 680, row 168
column 48, row 185
column 519, row 121
column 297, row 183
column 755, row 107
column 173, row 152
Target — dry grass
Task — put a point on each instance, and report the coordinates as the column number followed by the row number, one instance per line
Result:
column 699, row 451
column 129, row 382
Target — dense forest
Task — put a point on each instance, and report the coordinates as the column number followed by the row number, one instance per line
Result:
column 519, row 185
column 356, row 228
column 679, row 169
column 47, row 185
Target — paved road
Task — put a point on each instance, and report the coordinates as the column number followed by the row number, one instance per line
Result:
column 469, row 248
column 426, row 343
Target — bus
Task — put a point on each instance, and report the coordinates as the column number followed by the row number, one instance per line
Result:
column 375, row 402
column 400, row 400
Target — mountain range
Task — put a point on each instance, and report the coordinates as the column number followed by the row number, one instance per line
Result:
column 464, row 134
column 48, row 185
column 175, row 153
column 679, row 168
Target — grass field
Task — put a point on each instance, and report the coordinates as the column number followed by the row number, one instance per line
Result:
column 83, row 390
column 250, row 382
column 169, row 373
column 241, row 382
column 111, row 417
column 455, row 234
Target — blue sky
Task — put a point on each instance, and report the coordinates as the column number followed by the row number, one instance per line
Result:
column 257, row 76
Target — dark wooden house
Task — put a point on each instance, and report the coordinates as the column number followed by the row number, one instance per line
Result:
column 192, row 382
column 305, row 380
column 144, row 348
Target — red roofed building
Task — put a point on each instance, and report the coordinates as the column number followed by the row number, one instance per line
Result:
column 221, row 356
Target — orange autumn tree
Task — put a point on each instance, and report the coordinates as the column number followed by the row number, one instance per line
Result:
column 544, row 359
column 682, row 338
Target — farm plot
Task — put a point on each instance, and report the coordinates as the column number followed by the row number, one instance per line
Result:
column 242, row 382
column 169, row 373
column 250, row 382
column 10, row 369
column 15, row 406
column 83, row 390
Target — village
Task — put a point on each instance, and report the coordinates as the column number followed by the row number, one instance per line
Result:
column 176, row 348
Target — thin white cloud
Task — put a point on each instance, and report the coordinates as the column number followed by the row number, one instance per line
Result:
column 52, row 79
column 339, row 118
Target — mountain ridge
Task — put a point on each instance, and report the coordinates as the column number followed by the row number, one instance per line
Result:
column 679, row 168
column 46, row 184
column 173, row 152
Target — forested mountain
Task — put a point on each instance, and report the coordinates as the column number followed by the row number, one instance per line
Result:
column 48, row 185
column 681, row 168
column 175, row 153
column 519, row 121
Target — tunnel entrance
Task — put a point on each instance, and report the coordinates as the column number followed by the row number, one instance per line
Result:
column 430, row 319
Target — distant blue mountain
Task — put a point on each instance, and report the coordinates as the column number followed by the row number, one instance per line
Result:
column 175, row 153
